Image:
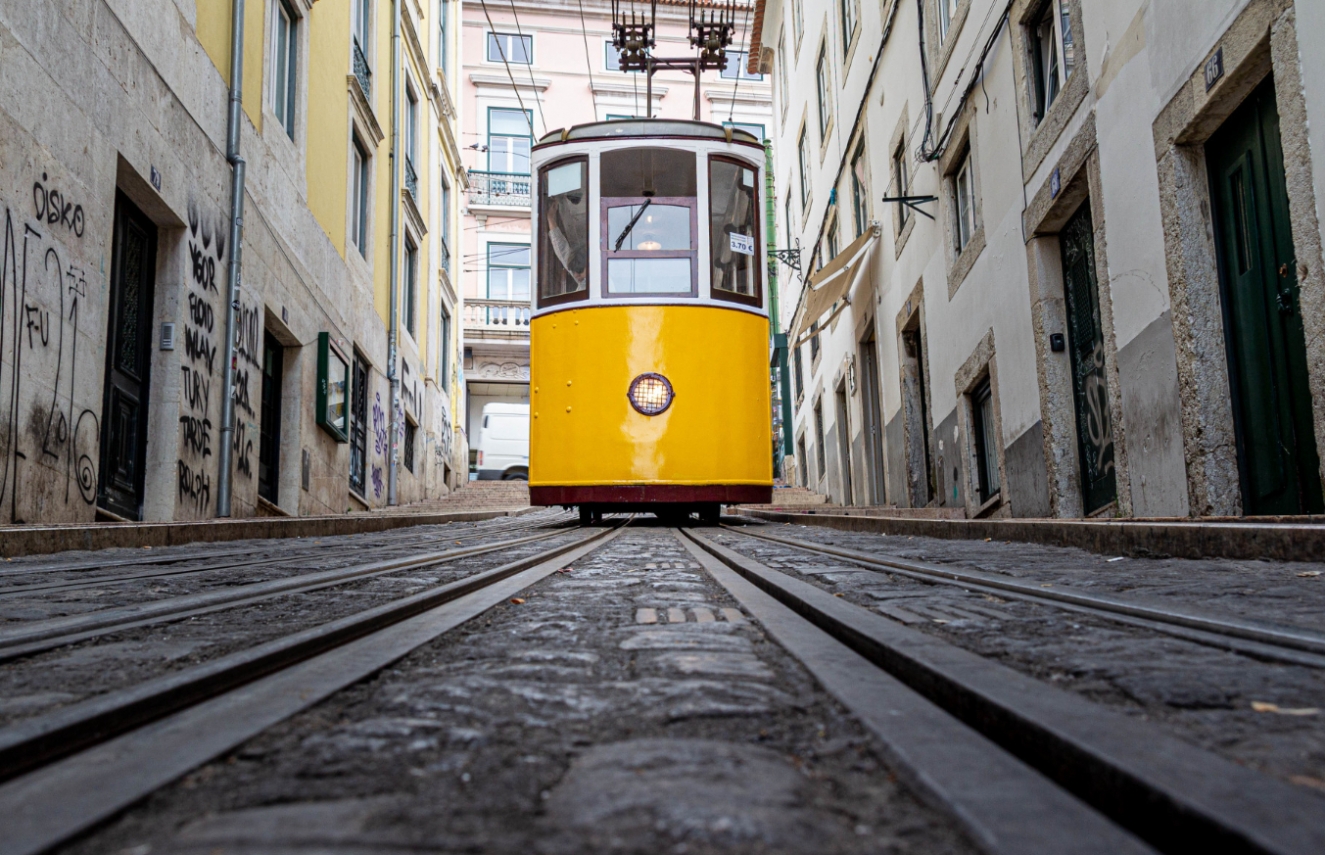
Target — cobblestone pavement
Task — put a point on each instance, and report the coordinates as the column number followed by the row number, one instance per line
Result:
column 1204, row 695
column 38, row 684
column 626, row 705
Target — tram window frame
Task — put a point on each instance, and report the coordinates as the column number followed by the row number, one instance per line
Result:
column 757, row 298
column 609, row 254
column 545, row 250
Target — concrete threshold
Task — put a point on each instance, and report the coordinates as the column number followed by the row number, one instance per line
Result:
column 1274, row 539
column 46, row 539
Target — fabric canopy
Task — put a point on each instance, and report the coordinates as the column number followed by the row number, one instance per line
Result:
column 834, row 280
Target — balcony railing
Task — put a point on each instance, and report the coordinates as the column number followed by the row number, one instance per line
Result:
column 508, row 189
column 511, row 315
column 411, row 179
column 362, row 72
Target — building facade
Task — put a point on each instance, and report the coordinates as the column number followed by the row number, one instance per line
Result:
column 1102, row 292
column 116, row 190
column 531, row 68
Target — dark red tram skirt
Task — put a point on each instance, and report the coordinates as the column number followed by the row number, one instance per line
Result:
column 652, row 494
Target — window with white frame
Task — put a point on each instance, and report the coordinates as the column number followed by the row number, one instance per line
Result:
column 445, row 236
column 803, row 156
column 833, row 245
column 859, row 190
column 360, row 23
column 508, row 272
column 783, row 61
column 444, row 349
column 947, row 10
column 1053, row 53
column 411, row 124
column 513, row 48
column 612, row 57
column 901, row 182
column 443, row 26
column 798, row 19
column 963, row 203
column 738, row 67
column 359, row 195
column 823, row 81
column 284, row 61
column 410, row 275
column 509, row 140
column 848, row 10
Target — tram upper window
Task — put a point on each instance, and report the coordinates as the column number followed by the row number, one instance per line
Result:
column 563, row 249
column 649, row 222
column 733, row 230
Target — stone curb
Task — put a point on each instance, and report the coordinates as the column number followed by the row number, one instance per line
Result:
column 1139, row 538
column 47, row 539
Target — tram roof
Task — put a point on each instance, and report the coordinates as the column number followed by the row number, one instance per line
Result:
column 644, row 128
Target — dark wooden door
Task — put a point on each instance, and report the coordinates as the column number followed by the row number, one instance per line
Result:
column 1090, row 389
column 359, row 427
column 269, row 442
column 1267, row 356
column 128, row 358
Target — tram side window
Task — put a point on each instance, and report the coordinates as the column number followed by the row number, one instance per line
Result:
column 733, row 231
column 649, row 224
column 563, row 231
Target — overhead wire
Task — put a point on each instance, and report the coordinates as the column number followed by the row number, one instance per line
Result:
column 492, row 28
column 588, row 61
column 538, row 99
column 745, row 31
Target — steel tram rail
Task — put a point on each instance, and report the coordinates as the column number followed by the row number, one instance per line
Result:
column 1290, row 644
column 97, row 757
column 1176, row 797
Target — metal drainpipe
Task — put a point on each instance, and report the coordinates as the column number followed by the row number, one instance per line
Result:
column 225, row 452
column 394, row 322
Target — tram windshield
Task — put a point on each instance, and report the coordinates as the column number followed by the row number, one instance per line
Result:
column 649, row 221
column 733, row 230
column 563, row 254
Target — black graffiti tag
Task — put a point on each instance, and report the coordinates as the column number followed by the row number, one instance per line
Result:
column 196, row 390
column 194, row 486
column 51, row 207
column 197, row 435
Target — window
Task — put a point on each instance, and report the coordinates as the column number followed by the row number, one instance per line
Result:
column 821, row 469
column 514, row 49
column 860, row 210
column 1054, row 55
column 738, row 67
column 443, row 24
column 510, row 133
column 359, row 196
column 803, row 461
column 649, row 226
column 284, row 66
column 410, row 285
column 411, row 125
column 783, row 61
column 798, row 372
column 963, row 204
column 508, row 271
column 612, row 57
column 901, row 182
column 798, row 19
column 269, row 435
column 445, row 237
column 787, row 245
column 803, row 158
column 733, row 230
column 563, row 231
column 814, row 342
column 411, row 433
column 359, row 426
column 947, row 11
column 832, row 245
column 757, row 131
column 823, row 77
column 362, row 18
column 985, row 436
column 444, row 355
column 849, row 23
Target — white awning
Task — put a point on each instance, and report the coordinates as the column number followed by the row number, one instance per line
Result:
column 834, row 280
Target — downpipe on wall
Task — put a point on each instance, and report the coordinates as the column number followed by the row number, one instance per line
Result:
column 393, row 376
column 225, row 454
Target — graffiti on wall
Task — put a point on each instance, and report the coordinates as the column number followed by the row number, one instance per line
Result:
column 199, row 368
column 45, row 420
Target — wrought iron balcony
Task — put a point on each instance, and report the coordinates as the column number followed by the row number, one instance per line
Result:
column 507, row 189
column 411, row 179
column 509, row 315
column 362, row 72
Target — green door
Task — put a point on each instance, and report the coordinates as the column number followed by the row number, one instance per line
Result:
column 1263, row 326
column 1090, row 389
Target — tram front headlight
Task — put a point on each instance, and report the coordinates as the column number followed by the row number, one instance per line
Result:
column 650, row 394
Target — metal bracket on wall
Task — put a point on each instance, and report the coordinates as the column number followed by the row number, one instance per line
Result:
column 789, row 257
column 912, row 202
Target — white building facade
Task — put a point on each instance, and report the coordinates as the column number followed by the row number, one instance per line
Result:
column 1103, row 294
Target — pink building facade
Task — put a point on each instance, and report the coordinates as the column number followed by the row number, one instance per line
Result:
column 529, row 69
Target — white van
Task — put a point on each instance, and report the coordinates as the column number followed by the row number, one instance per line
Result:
column 503, row 443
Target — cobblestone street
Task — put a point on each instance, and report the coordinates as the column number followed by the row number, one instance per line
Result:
column 630, row 697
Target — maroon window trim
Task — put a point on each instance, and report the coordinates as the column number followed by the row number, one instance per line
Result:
column 690, row 202
column 757, row 300
column 541, row 243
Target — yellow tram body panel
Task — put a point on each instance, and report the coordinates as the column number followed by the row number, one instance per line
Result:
column 583, row 429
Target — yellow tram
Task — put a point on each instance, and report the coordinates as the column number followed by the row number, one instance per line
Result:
column 649, row 333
